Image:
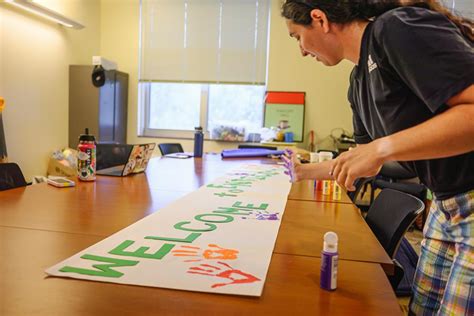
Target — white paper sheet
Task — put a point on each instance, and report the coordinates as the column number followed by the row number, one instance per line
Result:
column 216, row 239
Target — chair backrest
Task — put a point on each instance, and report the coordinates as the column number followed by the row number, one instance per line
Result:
column 11, row 176
column 395, row 171
column 390, row 216
column 416, row 189
column 170, row 148
column 359, row 186
column 356, row 196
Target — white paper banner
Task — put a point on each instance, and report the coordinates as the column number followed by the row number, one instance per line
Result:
column 217, row 239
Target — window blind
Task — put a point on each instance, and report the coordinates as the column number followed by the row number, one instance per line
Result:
column 215, row 41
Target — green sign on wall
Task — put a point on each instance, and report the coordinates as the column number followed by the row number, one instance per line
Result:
column 283, row 115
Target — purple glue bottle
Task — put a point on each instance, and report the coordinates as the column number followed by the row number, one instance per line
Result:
column 329, row 258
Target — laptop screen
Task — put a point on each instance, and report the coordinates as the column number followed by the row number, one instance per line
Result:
column 111, row 155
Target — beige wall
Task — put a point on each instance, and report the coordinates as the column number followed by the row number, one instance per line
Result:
column 34, row 58
column 326, row 88
column 1, row 54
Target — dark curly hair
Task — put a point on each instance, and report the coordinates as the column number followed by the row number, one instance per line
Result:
column 344, row 11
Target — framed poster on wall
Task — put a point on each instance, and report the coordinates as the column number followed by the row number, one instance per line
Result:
column 285, row 110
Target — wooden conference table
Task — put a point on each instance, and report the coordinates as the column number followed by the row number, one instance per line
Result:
column 41, row 225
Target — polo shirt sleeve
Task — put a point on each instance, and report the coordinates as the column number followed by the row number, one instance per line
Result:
column 428, row 52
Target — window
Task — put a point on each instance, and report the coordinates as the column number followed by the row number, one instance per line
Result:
column 203, row 63
column 169, row 101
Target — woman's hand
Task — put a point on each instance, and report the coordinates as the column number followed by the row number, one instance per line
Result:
column 362, row 161
column 292, row 164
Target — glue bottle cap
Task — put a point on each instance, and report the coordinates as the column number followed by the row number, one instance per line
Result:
column 330, row 242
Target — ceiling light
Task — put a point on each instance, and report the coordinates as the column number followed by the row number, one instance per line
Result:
column 49, row 14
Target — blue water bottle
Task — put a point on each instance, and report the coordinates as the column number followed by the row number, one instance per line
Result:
column 198, row 141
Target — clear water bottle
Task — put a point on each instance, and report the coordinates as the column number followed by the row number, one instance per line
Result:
column 86, row 157
column 198, row 141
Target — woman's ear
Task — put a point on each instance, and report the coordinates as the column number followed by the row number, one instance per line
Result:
column 320, row 19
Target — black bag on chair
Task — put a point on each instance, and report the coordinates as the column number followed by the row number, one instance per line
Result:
column 408, row 259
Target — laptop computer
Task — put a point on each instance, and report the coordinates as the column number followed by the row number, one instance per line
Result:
column 120, row 160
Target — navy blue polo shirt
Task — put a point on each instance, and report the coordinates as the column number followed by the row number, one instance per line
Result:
column 412, row 61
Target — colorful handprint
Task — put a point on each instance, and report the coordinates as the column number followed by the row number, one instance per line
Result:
column 214, row 252
column 290, row 161
column 225, row 271
column 263, row 216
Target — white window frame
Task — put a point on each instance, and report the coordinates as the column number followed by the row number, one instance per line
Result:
column 144, row 104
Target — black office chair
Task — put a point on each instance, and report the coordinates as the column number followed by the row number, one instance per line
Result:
column 257, row 146
column 11, row 176
column 391, row 176
column 389, row 217
column 357, row 196
column 170, row 148
column 394, row 176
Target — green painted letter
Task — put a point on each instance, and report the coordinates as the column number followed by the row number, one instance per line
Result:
column 181, row 224
column 227, row 218
column 141, row 252
column 262, row 206
column 189, row 239
column 233, row 211
column 105, row 270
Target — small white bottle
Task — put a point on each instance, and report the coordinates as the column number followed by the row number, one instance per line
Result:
column 329, row 262
column 327, row 184
column 327, row 187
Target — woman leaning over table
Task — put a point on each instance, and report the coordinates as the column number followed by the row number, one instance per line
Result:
column 412, row 96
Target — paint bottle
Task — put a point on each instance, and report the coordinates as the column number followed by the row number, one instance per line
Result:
column 198, row 141
column 329, row 262
column 319, row 185
column 326, row 184
column 314, row 158
column 86, row 157
column 327, row 187
column 336, row 191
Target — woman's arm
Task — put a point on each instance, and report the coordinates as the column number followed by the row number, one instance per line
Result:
column 447, row 134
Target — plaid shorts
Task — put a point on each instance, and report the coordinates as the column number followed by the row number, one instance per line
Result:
column 444, row 278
